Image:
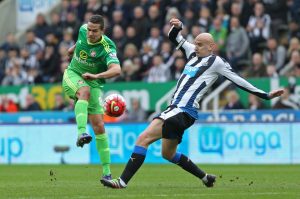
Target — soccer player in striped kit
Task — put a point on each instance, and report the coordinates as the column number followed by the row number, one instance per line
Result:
column 200, row 72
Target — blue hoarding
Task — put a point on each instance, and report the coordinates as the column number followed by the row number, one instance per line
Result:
column 254, row 143
column 35, row 144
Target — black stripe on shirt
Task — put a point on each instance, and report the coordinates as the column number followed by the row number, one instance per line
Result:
column 192, row 99
column 191, row 81
column 197, row 61
column 184, row 75
column 178, row 84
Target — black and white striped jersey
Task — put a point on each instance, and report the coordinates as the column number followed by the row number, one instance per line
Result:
column 199, row 74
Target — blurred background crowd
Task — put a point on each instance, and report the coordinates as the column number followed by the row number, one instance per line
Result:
column 259, row 38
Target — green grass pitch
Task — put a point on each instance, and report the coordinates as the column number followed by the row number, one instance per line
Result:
column 152, row 181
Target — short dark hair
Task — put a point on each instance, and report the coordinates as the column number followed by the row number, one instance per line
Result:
column 97, row 19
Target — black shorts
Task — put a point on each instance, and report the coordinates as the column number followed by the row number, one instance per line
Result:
column 175, row 123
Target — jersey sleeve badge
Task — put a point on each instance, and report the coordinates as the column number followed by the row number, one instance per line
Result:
column 113, row 55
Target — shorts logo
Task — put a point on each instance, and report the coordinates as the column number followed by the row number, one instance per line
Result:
column 83, row 55
column 93, row 53
column 80, row 82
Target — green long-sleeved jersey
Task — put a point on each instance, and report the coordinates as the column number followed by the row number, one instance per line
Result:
column 93, row 57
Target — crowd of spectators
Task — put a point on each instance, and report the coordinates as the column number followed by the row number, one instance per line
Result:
column 260, row 38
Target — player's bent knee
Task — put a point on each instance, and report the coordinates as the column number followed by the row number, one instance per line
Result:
column 141, row 140
column 100, row 124
column 84, row 93
column 99, row 129
column 144, row 140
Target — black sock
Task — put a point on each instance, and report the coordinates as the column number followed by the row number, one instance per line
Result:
column 134, row 163
column 185, row 163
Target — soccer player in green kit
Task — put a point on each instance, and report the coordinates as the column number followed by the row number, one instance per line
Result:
column 94, row 59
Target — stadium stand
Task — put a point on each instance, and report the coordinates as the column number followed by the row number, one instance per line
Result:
column 139, row 28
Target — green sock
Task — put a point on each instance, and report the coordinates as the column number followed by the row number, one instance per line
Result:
column 104, row 152
column 81, row 112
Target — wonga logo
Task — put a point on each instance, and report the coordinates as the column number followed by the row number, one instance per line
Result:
column 217, row 140
column 211, row 140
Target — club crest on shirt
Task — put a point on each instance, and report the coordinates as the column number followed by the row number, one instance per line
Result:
column 80, row 82
column 93, row 53
column 205, row 64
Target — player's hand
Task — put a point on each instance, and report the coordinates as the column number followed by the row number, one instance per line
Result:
column 70, row 51
column 70, row 54
column 176, row 23
column 89, row 76
column 276, row 93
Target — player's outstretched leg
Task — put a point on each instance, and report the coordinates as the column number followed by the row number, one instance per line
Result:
column 102, row 146
column 83, row 139
column 81, row 112
column 188, row 165
column 134, row 163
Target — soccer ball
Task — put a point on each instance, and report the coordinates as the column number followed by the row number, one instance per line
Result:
column 114, row 105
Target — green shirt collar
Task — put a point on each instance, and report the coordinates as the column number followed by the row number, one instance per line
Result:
column 99, row 42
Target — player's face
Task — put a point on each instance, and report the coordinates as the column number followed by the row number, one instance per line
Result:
column 94, row 32
column 202, row 47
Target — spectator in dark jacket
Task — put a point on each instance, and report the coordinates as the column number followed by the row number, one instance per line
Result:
column 41, row 28
column 233, row 101
column 31, row 104
column 237, row 45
